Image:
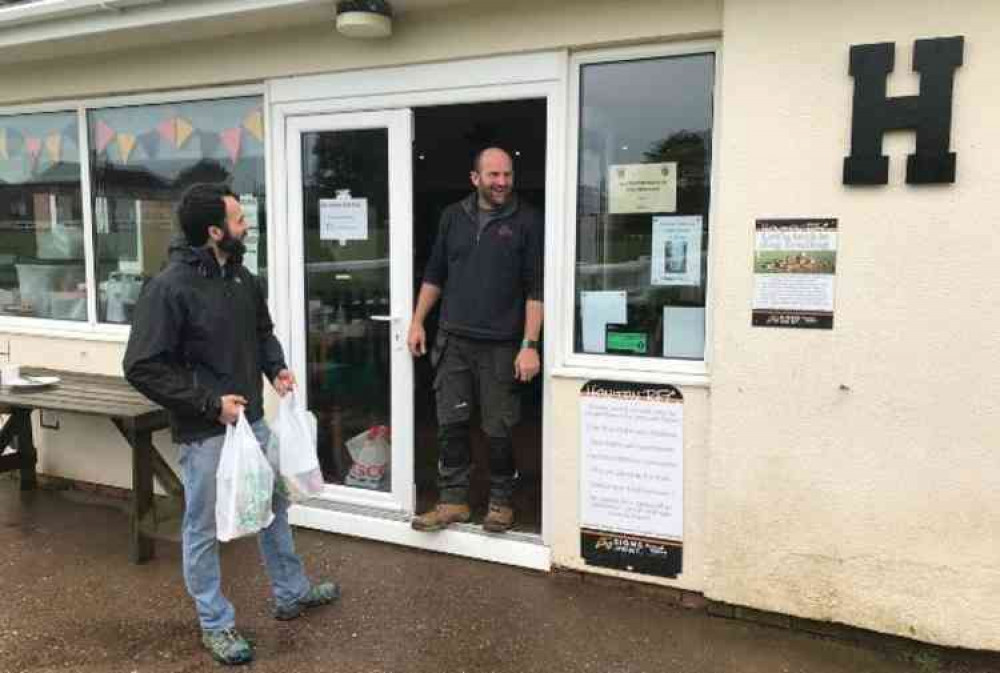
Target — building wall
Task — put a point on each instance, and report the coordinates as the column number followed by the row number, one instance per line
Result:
column 842, row 475
column 853, row 471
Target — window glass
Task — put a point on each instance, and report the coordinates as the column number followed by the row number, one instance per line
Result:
column 42, row 269
column 643, row 198
column 142, row 159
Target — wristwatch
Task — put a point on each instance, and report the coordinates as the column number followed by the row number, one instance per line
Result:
column 528, row 343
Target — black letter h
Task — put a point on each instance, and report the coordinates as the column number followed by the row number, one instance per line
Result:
column 929, row 114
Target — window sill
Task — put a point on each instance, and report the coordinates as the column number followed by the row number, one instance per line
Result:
column 679, row 379
column 55, row 329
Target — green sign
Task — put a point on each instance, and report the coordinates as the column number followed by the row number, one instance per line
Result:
column 626, row 342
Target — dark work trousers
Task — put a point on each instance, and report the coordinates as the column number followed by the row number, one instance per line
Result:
column 470, row 373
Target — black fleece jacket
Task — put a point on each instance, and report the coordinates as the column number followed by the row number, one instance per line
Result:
column 486, row 276
column 201, row 331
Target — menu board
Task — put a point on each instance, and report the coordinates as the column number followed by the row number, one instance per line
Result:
column 632, row 476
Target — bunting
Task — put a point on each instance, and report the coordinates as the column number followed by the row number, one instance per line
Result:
column 232, row 139
column 34, row 147
column 173, row 133
column 184, row 131
column 105, row 134
column 167, row 130
column 126, row 143
column 254, row 124
column 53, row 145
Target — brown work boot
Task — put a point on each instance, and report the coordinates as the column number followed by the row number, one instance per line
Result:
column 440, row 517
column 499, row 519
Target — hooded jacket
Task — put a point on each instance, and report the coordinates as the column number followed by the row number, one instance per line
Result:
column 201, row 331
column 487, row 274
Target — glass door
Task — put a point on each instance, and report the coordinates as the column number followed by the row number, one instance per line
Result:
column 350, row 230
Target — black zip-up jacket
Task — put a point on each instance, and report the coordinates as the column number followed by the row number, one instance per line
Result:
column 201, row 331
column 485, row 277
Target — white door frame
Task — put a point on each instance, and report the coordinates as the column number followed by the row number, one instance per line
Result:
column 536, row 75
column 399, row 126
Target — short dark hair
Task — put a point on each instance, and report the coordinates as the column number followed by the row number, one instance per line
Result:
column 477, row 161
column 202, row 206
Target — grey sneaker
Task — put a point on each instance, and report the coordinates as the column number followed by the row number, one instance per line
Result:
column 318, row 594
column 228, row 647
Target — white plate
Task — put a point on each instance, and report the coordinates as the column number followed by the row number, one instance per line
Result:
column 34, row 382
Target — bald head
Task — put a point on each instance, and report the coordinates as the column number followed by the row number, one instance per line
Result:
column 493, row 177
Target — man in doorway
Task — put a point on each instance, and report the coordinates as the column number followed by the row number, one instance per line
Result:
column 486, row 266
column 201, row 340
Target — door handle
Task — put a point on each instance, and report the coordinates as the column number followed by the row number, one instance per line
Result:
column 397, row 338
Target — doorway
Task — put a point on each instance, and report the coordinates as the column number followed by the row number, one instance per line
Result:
column 343, row 285
column 446, row 141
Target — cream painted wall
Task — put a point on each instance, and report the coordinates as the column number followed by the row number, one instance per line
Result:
column 853, row 472
column 477, row 29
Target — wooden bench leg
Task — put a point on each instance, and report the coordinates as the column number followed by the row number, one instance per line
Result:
column 140, row 545
column 26, row 449
column 142, row 495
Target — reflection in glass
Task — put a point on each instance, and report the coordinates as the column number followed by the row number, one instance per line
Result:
column 142, row 159
column 347, row 288
column 655, row 112
column 42, row 270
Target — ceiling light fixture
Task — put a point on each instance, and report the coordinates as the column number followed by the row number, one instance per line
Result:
column 364, row 18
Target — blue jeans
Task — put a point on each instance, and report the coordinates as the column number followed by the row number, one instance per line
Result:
column 199, row 461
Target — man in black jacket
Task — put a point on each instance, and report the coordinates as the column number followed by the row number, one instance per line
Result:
column 201, row 340
column 487, row 265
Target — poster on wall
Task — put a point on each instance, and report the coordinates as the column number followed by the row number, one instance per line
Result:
column 676, row 254
column 795, row 265
column 343, row 219
column 632, row 477
column 642, row 188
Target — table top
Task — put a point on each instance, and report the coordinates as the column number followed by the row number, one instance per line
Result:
column 90, row 394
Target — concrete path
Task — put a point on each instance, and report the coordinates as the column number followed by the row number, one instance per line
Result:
column 70, row 601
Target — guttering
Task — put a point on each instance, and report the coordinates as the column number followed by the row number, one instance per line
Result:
column 50, row 10
column 47, row 21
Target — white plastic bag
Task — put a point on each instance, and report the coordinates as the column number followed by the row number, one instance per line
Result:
column 370, row 452
column 297, row 461
column 244, row 483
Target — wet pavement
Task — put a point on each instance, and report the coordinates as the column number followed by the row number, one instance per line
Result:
column 71, row 601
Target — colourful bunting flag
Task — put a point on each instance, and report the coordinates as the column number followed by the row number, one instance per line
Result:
column 184, row 131
column 168, row 130
column 231, row 140
column 53, row 145
column 126, row 143
column 254, row 123
column 105, row 134
column 34, row 147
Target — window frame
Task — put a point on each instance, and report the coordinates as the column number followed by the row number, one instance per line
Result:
column 571, row 364
column 93, row 329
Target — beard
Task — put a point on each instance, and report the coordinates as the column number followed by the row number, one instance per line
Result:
column 232, row 246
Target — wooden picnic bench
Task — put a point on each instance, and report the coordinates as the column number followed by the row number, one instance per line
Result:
column 136, row 419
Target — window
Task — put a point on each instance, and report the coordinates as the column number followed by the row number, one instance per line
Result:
column 644, row 152
column 143, row 157
column 42, row 269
